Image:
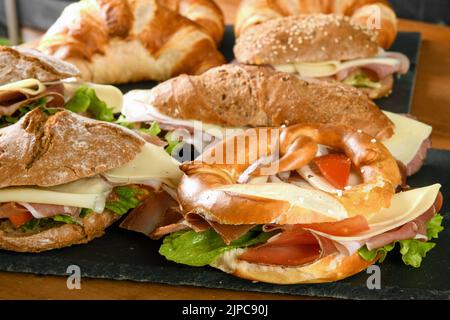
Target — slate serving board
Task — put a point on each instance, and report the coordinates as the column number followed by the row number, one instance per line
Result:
column 124, row 255
column 399, row 101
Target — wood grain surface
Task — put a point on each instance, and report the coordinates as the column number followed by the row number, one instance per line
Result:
column 431, row 105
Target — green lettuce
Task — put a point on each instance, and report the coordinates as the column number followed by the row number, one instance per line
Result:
column 173, row 143
column 8, row 120
column 64, row 218
column 361, row 80
column 154, row 129
column 200, row 249
column 85, row 100
column 128, row 198
column 412, row 251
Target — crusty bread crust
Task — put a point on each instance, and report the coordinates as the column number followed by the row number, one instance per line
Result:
column 305, row 38
column 20, row 63
column 241, row 95
column 47, row 150
column 331, row 268
column 94, row 226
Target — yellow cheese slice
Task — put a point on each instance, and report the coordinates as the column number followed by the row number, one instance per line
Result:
column 408, row 137
column 88, row 193
column 151, row 163
column 307, row 198
column 30, row 87
column 111, row 95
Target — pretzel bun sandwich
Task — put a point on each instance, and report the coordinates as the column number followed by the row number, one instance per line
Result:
column 230, row 98
column 66, row 178
column 127, row 41
column 31, row 79
column 301, row 204
column 326, row 47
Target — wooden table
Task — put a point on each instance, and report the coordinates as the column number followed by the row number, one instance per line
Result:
column 431, row 105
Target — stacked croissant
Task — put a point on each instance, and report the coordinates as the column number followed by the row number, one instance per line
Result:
column 277, row 168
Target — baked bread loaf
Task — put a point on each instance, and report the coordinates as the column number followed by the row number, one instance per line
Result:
column 323, row 46
column 362, row 12
column 242, row 95
column 120, row 41
column 23, row 63
column 55, row 149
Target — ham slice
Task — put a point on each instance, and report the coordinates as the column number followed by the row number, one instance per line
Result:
column 49, row 210
column 290, row 248
column 11, row 101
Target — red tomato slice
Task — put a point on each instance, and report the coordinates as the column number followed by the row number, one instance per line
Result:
column 335, row 168
column 346, row 227
column 20, row 218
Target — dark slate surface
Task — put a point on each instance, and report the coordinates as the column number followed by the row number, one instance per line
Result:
column 399, row 101
column 126, row 255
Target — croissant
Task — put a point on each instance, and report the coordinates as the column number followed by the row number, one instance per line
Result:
column 362, row 12
column 120, row 41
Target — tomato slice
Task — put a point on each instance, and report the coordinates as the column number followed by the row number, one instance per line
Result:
column 20, row 218
column 335, row 168
column 343, row 228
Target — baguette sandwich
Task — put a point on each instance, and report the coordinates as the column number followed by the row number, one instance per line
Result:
column 326, row 47
column 66, row 178
column 230, row 98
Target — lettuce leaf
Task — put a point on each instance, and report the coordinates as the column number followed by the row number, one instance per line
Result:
column 128, row 198
column 361, row 80
column 86, row 100
column 154, row 129
column 173, row 145
column 64, row 218
column 200, row 249
column 8, row 120
column 412, row 251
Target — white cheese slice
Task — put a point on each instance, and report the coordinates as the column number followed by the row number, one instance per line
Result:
column 408, row 137
column 30, row 87
column 330, row 68
column 311, row 199
column 152, row 162
column 111, row 95
column 405, row 207
column 88, row 193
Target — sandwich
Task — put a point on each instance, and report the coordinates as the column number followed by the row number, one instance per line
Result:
column 325, row 47
column 136, row 40
column 31, row 79
column 228, row 99
column 65, row 178
column 249, row 209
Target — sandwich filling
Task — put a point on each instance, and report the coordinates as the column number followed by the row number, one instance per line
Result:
column 32, row 209
column 100, row 102
column 369, row 73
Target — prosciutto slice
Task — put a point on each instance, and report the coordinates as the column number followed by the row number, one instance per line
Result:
column 290, row 248
column 40, row 211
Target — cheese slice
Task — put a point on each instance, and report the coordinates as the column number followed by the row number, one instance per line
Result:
column 409, row 135
column 30, row 87
column 111, row 95
column 152, row 162
column 330, row 68
column 307, row 198
column 405, row 207
column 88, row 193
